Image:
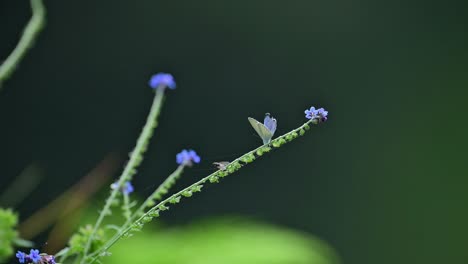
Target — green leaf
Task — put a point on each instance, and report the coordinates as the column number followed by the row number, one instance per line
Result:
column 19, row 242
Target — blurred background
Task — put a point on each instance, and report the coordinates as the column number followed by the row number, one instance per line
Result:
column 383, row 181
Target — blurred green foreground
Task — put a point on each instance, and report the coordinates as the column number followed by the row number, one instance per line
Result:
column 222, row 241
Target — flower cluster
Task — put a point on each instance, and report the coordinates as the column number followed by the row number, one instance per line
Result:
column 35, row 257
column 126, row 189
column 319, row 114
column 162, row 80
column 187, row 157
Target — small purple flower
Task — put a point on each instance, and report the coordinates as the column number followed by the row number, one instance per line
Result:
column 21, row 256
column 187, row 157
column 49, row 259
column 310, row 113
column 126, row 189
column 320, row 114
column 34, row 255
column 162, row 80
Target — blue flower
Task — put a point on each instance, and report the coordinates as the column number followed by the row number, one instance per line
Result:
column 34, row 255
column 49, row 259
column 319, row 114
column 322, row 113
column 187, row 157
column 126, row 189
column 21, row 256
column 162, row 80
column 310, row 113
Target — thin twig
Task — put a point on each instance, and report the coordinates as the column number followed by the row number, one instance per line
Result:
column 155, row 196
column 136, row 157
column 31, row 31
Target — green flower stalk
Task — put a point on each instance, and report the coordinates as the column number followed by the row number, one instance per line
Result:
column 187, row 192
column 31, row 31
column 157, row 195
column 162, row 190
column 89, row 243
column 185, row 158
column 127, row 207
column 136, row 157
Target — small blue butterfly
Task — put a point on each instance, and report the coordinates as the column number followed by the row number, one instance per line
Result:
column 265, row 130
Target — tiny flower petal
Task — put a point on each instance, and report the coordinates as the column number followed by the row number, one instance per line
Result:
column 187, row 157
column 182, row 157
column 49, row 259
column 127, row 188
column 323, row 114
column 21, row 256
column 310, row 113
column 193, row 155
column 34, row 255
column 162, row 80
column 318, row 114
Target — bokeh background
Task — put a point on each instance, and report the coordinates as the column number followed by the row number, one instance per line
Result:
column 383, row 181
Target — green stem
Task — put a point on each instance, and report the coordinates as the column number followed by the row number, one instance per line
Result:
column 159, row 192
column 63, row 257
column 31, row 31
column 155, row 196
column 136, row 157
column 126, row 206
column 231, row 168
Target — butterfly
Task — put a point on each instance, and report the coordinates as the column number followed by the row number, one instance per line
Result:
column 265, row 130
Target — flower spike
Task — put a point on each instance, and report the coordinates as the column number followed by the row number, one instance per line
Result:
column 162, row 80
column 187, row 157
column 318, row 114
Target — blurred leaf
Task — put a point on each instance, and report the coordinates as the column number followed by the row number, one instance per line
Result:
column 78, row 241
column 63, row 252
column 23, row 243
column 223, row 241
column 8, row 233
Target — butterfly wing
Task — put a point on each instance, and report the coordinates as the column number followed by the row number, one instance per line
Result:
column 270, row 123
column 261, row 130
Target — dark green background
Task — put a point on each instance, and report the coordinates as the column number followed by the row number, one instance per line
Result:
column 383, row 181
